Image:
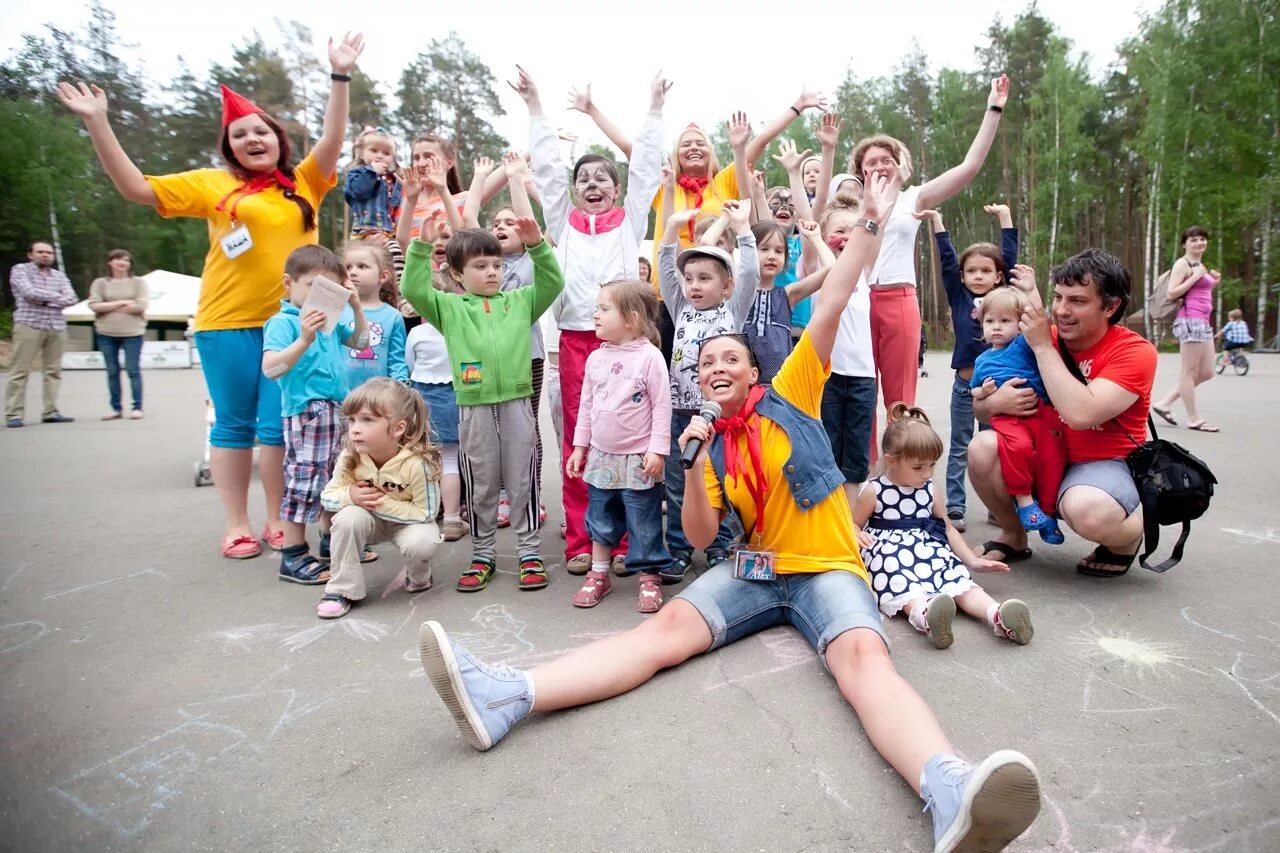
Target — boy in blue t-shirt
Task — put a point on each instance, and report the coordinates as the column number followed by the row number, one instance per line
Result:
column 309, row 365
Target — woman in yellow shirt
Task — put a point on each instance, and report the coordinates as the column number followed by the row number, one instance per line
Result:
column 259, row 209
column 789, row 496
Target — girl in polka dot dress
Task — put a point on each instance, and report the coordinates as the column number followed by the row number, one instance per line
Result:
column 919, row 563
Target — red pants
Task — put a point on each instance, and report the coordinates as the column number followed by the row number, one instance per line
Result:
column 1033, row 455
column 895, row 342
column 574, row 348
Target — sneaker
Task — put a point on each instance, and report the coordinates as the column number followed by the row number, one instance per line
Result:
column 504, row 511
column 14, row 423
column 1013, row 622
column 57, row 418
column 135, row 415
column 938, row 614
column 333, row 606
column 578, row 565
column 649, row 599
column 477, row 575
column 595, row 586
column 485, row 701
column 674, row 573
column 619, row 566
column 454, row 530
column 715, row 558
column 533, row 574
column 956, row 517
column 983, row 807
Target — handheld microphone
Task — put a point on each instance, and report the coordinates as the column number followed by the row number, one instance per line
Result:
column 709, row 412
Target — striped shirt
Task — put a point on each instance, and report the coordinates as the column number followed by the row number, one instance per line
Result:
column 40, row 297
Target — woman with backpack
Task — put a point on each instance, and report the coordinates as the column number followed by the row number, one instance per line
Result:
column 1192, row 284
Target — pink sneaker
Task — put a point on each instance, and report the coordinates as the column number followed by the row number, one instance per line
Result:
column 650, row 598
column 595, row 586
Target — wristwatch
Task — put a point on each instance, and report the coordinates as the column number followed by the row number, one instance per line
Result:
column 869, row 224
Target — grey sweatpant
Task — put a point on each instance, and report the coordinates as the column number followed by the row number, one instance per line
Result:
column 499, row 445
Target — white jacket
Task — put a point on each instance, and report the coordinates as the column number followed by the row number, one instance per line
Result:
column 593, row 250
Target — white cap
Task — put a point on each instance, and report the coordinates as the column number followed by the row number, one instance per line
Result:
column 705, row 252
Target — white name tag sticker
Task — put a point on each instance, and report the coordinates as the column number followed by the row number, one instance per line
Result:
column 237, row 243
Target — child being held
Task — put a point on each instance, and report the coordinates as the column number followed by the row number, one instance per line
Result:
column 372, row 188
column 622, row 437
column 1033, row 448
column 919, row 563
column 308, row 362
column 487, row 333
column 385, row 488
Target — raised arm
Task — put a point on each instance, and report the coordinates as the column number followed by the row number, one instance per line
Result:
column 948, row 261
column 811, row 236
column 1008, row 234
column 828, row 136
column 669, row 280
column 790, row 159
column 644, row 174
column 1023, row 277
column 342, row 59
column 581, row 101
column 90, row 103
column 934, row 192
column 550, row 174
column 760, row 211
column 437, row 180
column 516, row 171
column 739, row 136
column 807, row 100
column 483, row 167
column 744, row 288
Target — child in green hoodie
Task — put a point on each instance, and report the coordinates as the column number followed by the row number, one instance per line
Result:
column 487, row 332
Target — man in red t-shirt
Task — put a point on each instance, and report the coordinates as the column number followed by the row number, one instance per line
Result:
column 1104, row 420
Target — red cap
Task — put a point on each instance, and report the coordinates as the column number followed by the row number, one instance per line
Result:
column 236, row 106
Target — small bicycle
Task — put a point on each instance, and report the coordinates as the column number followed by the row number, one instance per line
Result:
column 1236, row 358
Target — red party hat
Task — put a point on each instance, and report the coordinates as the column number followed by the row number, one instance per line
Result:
column 236, row 106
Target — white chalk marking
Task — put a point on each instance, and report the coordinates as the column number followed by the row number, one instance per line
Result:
column 1239, row 682
column 1269, row 535
column 1185, row 615
column 102, row 583
column 16, row 635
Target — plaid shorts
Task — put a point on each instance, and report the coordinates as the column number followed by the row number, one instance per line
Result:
column 1192, row 330
column 312, row 440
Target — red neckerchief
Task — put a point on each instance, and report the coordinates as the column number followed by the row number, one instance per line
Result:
column 747, row 423
column 690, row 184
column 253, row 186
column 602, row 224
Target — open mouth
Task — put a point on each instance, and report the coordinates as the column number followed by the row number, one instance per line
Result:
column 720, row 384
column 593, row 197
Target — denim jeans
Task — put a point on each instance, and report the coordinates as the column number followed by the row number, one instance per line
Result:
column 636, row 513
column 677, row 544
column 132, row 346
column 961, row 434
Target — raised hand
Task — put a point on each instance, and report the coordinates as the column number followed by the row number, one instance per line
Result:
column 527, row 90
column 1034, row 326
column 739, row 131
column 658, row 88
column 811, row 100
column 931, row 216
column 789, row 157
column 483, row 166
column 999, row 92
column 829, row 130
column 434, row 177
column 85, row 101
column 528, row 231
column 758, row 177
column 580, row 101
column 514, row 165
column 996, row 209
column 1023, row 277
column 668, row 176
column 809, row 230
column 738, row 212
column 566, row 135
column 343, row 55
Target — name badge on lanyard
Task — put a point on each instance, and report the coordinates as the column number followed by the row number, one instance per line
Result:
column 753, row 565
column 237, row 242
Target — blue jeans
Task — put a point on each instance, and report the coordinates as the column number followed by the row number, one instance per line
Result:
column 132, row 346
column 821, row 606
column 961, row 434
column 677, row 544
column 245, row 403
column 848, row 415
column 636, row 513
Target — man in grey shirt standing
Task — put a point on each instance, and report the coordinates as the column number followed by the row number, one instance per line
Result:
column 41, row 292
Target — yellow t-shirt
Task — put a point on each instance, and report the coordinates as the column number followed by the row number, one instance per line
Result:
column 818, row 539
column 242, row 292
column 721, row 188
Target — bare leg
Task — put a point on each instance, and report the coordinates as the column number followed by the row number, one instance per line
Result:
column 1187, row 379
column 1202, row 372
column 976, row 602
column 271, row 472
column 984, row 473
column 1096, row 516
column 600, row 552
column 617, row 664
column 451, row 494
column 295, row 533
column 230, row 467
column 897, row 721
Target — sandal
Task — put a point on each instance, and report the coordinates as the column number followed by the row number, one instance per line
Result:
column 1008, row 553
column 649, row 597
column 415, row 588
column 304, row 569
column 476, row 577
column 333, row 606
column 595, row 586
column 1203, row 427
column 366, row 556
column 533, row 575
column 1104, row 556
column 1165, row 415
column 240, row 547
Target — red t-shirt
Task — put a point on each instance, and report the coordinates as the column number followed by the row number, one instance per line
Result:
column 1129, row 360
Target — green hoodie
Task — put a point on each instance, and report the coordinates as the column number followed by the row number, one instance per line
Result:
column 488, row 336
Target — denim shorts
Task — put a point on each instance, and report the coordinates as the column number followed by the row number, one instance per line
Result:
column 1110, row 475
column 848, row 412
column 822, row 606
column 442, row 408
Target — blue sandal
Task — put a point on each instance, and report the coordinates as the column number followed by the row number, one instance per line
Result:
column 302, row 568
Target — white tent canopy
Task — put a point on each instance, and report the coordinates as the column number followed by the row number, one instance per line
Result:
column 172, row 298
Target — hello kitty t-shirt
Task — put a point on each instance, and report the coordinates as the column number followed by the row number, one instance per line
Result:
column 384, row 356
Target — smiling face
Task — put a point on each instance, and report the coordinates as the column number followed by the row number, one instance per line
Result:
column 836, row 229
column 253, row 144
column 707, row 284
column 374, row 435
column 693, row 153
column 725, row 373
column 594, row 188
column 999, row 327
column 782, row 206
column 120, row 267
column 773, row 256
column 1079, row 313
column 422, row 151
column 504, row 231
column 979, row 274
column 878, row 161
column 1195, row 245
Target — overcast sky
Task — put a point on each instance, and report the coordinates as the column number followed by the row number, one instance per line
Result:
column 751, row 56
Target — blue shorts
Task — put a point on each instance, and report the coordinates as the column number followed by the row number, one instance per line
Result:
column 245, row 403
column 442, row 408
column 821, row 606
column 1110, row 475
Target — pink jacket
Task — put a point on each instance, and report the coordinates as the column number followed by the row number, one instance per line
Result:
column 626, row 401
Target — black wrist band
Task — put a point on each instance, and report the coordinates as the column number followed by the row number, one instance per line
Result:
column 340, row 78
column 994, row 109
column 796, row 111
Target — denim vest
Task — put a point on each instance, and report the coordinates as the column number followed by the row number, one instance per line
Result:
column 371, row 200
column 811, row 471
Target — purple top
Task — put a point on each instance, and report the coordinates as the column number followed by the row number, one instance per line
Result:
column 1197, row 303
